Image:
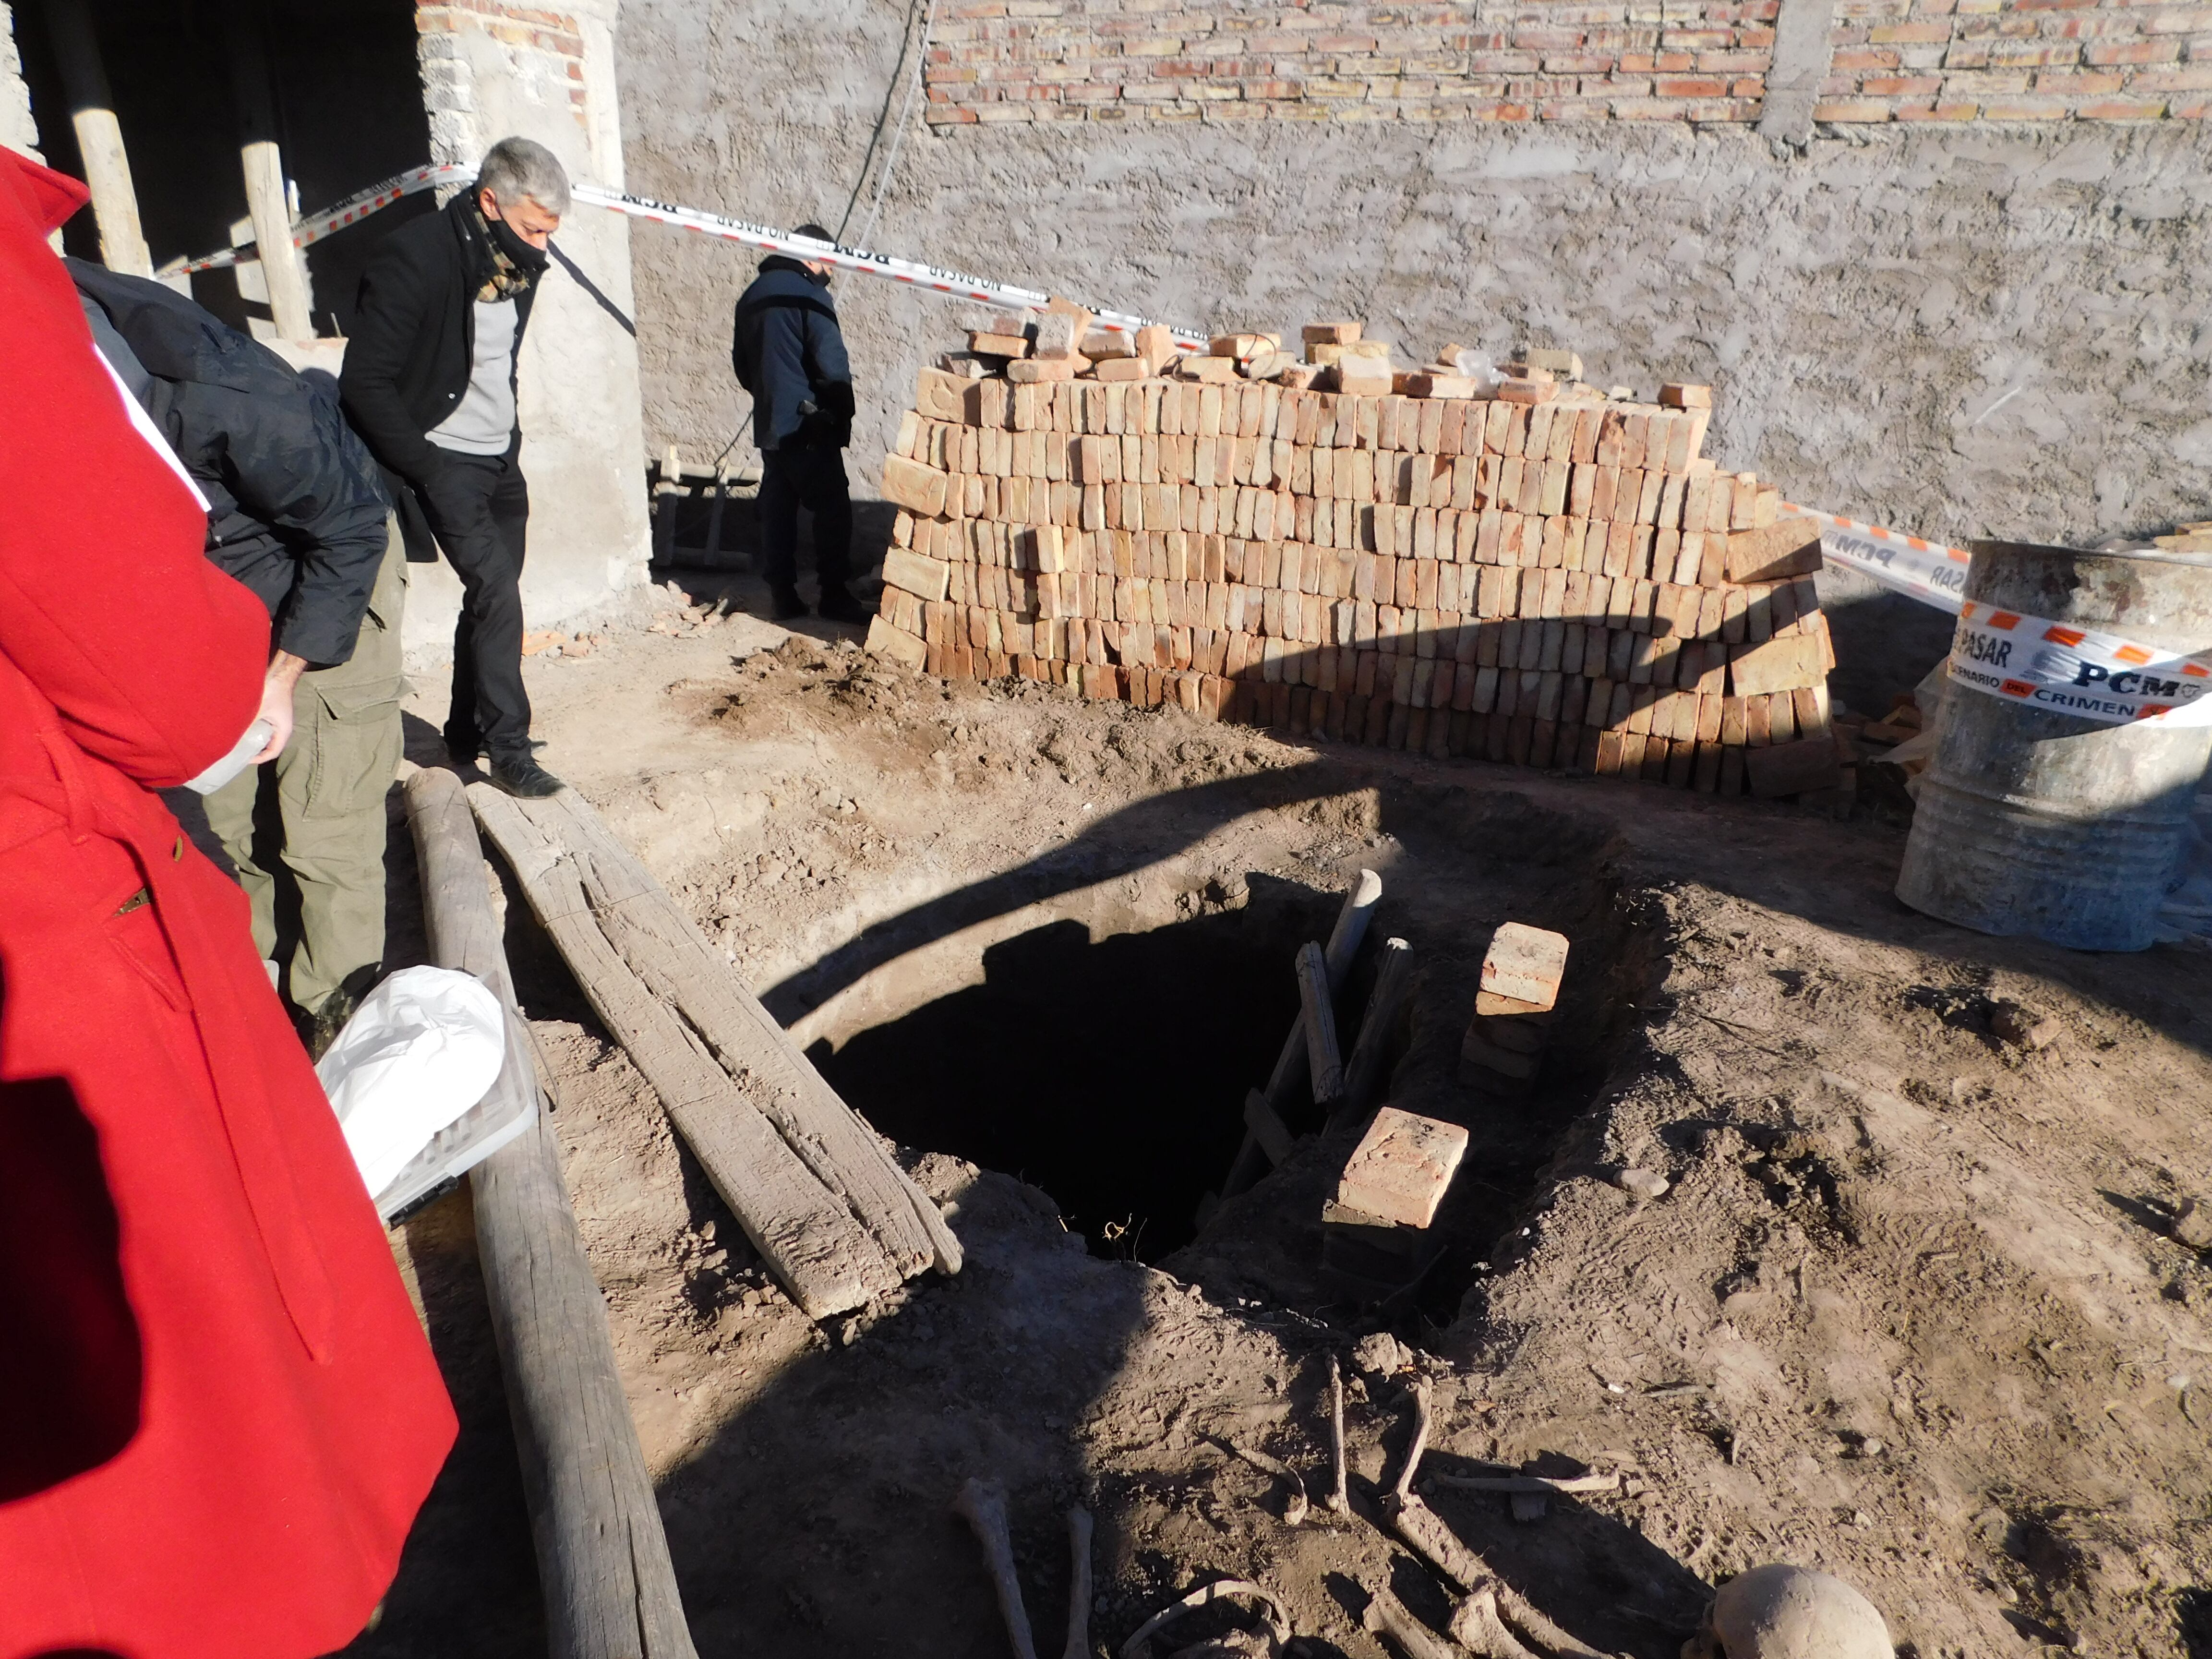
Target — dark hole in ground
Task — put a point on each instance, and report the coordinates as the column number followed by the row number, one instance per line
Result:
column 1110, row 1074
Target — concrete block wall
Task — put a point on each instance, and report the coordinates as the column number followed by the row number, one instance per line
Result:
column 1705, row 60
column 491, row 69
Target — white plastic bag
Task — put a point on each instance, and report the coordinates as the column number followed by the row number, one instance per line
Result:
column 422, row 1048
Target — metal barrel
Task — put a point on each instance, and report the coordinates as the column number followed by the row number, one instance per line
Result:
column 2034, row 821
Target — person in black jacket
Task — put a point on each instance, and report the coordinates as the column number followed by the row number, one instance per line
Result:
column 297, row 513
column 790, row 355
column 430, row 381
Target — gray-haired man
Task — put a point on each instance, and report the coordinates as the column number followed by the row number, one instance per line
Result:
column 430, row 383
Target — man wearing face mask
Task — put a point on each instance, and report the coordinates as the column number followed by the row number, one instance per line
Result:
column 430, row 383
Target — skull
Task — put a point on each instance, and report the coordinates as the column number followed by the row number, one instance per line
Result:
column 1779, row 1611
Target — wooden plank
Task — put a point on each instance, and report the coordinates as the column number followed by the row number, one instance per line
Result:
column 1323, row 1059
column 1269, row 1130
column 820, row 1254
column 1394, row 983
column 1288, row 1079
column 664, row 948
column 813, row 1186
column 603, row 1558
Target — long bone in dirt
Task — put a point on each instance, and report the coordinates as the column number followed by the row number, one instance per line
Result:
column 983, row 1505
column 1340, row 1495
column 1481, row 1621
column 1295, row 1507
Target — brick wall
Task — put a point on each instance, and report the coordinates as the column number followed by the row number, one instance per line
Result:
column 540, row 53
column 1557, row 60
column 2018, row 60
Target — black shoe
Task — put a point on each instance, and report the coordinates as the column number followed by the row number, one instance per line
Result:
column 323, row 1026
column 524, row 778
column 838, row 605
column 784, row 604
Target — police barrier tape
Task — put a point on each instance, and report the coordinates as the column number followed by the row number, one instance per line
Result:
column 1929, row 571
column 312, row 227
column 2023, row 658
column 2077, row 670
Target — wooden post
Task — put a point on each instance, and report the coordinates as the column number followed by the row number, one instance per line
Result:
column 1324, row 1061
column 667, row 503
column 99, row 138
column 602, row 1555
column 1394, row 982
column 1291, row 1065
column 267, row 201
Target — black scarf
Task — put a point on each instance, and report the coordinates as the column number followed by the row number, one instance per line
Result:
column 514, row 264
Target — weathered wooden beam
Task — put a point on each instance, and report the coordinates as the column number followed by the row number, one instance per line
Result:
column 1394, row 983
column 813, row 1186
column 1324, row 1061
column 1289, row 1077
column 268, row 200
column 1267, row 1129
column 99, row 138
column 602, row 1557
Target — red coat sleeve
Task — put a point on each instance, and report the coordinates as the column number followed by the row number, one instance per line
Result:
column 152, row 656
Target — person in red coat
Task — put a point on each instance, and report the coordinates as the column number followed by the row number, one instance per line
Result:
column 218, row 1413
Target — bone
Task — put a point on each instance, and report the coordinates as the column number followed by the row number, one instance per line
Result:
column 983, row 1505
column 1529, row 1483
column 1425, row 1531
column 1278, row 1622
column 1387, row 1615
column 1420, row 1441
column 1295, row 1507
column 1475, row 1625
column 1339, row 1496
column 1426, row 1534
column 1516, row 1611
column 1079, row 1590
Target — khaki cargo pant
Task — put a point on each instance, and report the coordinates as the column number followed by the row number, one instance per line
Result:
column 318, row 809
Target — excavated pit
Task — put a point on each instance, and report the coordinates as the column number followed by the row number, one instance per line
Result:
column 1108, row 1072
column 1102, row 1050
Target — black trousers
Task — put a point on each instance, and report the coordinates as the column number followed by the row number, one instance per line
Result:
column 791, row 478
column 478, row 507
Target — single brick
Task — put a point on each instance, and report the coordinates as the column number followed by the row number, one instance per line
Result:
column 885, row 641
column 1401, row 1169
column 917, row 487
column 1525, row 964
column 2118, row 109
column 926, row 579
column 2133, row 52
column 2027, row 109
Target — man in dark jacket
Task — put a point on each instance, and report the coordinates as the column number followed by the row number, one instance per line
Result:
column 298, row 514
column 790, row 355
column 430, row 381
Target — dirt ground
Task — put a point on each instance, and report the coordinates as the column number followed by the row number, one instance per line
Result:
column 1908, row 1311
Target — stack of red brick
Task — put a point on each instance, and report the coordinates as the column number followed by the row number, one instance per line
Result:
column 1523, row 568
